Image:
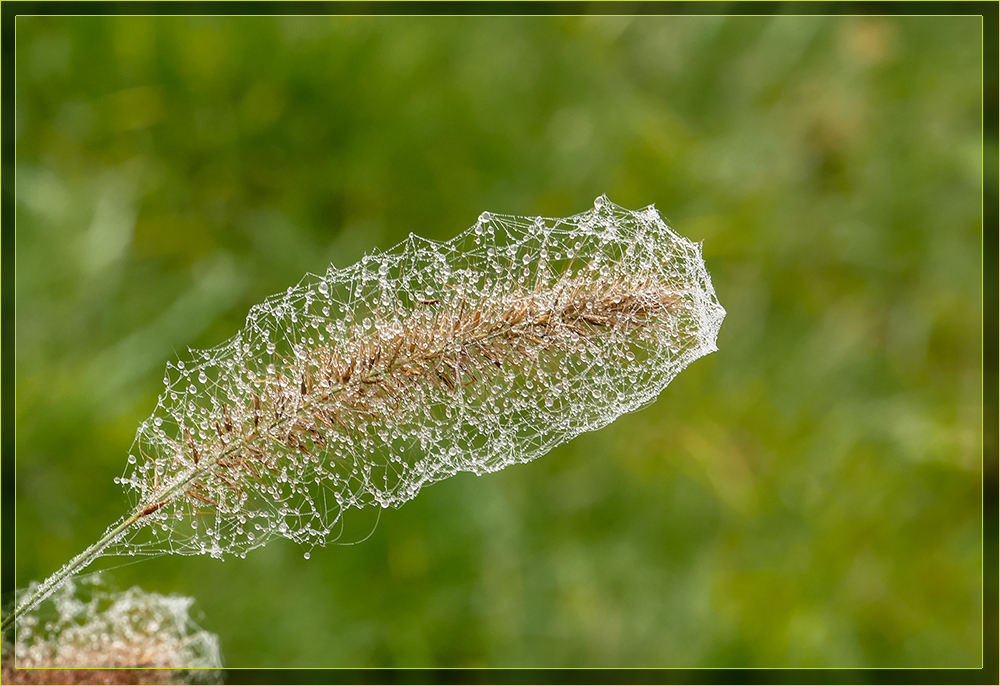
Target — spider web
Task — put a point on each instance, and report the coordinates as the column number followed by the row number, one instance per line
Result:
column 512, row 338
column 88, row 624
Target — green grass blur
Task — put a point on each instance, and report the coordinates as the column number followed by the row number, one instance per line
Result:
column 807, row 496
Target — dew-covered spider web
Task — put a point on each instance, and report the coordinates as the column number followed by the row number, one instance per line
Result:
column 360, row 387
column 88, row 624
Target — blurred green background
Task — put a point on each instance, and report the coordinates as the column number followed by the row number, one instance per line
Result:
column 807, row 496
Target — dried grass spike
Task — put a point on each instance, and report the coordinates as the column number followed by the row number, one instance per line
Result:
column 361, row 386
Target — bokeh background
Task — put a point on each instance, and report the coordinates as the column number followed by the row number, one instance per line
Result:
column 810, row 495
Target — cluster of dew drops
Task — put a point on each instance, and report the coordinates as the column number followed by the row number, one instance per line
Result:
column 527, row 407
column 86, row 623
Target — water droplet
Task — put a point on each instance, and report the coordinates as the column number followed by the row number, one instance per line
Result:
column 306, row 556
column 203, row 377
column 323, row 288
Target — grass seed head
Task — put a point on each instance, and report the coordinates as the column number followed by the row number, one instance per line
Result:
column 361, row 386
